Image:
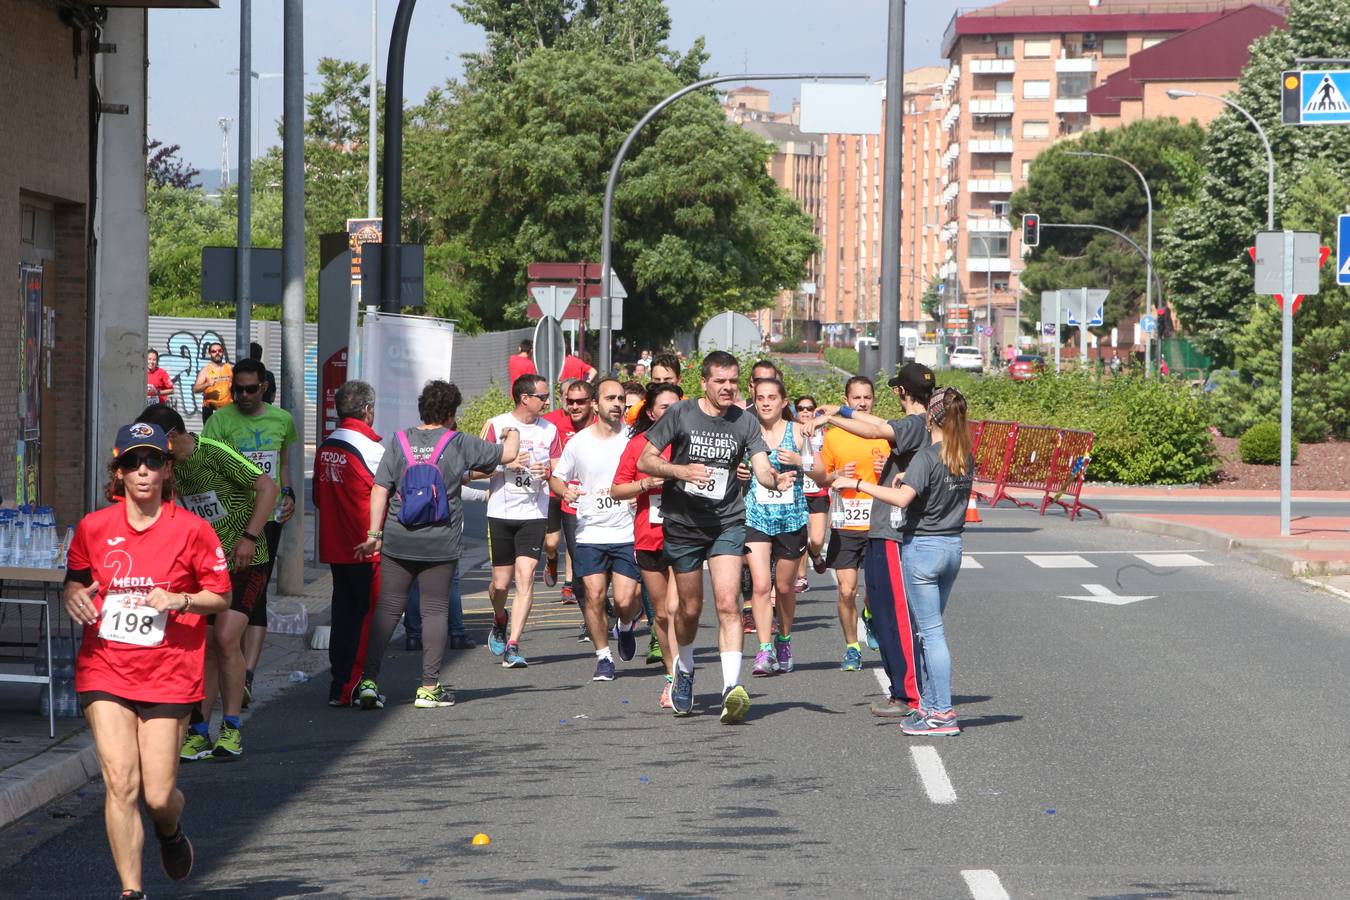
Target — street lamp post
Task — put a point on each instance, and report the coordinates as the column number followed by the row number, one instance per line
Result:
column 1286, row 317
column 607, row 217
column 988, row 295
column 1148, row 280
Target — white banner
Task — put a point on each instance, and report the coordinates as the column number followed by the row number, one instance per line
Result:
column 399, row 355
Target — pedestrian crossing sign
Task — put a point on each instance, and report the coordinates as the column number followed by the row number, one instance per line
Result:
column 1316, row 98
column 1343, row 250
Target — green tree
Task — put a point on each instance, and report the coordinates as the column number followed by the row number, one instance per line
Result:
column 1077, row 190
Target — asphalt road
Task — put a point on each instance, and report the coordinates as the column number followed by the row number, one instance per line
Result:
column 1186, row 745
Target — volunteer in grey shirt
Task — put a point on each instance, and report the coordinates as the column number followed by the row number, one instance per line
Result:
column 893, row 624
column 704, row 514
column 934, row 492
column 427, row 554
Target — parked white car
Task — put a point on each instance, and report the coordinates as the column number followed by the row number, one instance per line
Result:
column 967, row 359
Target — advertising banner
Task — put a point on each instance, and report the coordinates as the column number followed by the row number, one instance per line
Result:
column 400, row 354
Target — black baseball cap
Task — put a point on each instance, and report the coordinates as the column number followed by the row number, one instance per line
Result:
column 140, row 434
column 915, row 378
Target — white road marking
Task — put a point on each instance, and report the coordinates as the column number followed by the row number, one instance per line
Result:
column 1059, row 552
column 969, row 562
column 984, row 884
column 1100, row 593
column 1344, row 595
column 882, row 680
column 933, row 774
column 1068, row 561
column 1171, row 560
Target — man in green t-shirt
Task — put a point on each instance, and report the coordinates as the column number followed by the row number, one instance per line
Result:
column 264, row 434
column 214, row 482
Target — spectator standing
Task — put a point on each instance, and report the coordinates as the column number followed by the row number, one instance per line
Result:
column 344, row 472
column 269, row 394
column 158, row 384
column 214, row 381
column 520, row 363
column 1009, row 355
column 578, row 368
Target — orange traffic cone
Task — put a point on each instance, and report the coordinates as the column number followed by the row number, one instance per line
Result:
column 972, row 511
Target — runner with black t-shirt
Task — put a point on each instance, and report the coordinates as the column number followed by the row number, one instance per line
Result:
column 704, row 510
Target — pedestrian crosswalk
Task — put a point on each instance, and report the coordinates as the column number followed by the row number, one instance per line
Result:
column 1082, row 561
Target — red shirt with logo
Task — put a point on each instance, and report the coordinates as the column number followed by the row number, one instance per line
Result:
column 179, row 552
column 566, row 431
column 156, row 381
column 648, row 534
column 517, row 366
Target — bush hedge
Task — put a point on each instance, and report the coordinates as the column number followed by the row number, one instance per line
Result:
column 1260, row 445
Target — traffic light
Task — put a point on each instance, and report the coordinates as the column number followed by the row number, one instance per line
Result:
column 1031, row 230
column 1291, row 98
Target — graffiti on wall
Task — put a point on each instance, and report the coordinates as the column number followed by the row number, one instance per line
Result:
column 183, row 357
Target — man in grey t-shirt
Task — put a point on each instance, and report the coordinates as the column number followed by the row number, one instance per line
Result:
column 704, row 512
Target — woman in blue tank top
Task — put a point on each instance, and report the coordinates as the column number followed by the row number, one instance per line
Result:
column 775, row 533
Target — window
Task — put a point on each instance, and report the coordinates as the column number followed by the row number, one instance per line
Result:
column 1003, row 49
column 1113, row 46
column 1026, row 169
column 999, row 207
column 998, row 246
column 1036, row 90
column 1036, row 48
column 1074, row 85
column 1035, row 131
column 1000, row 287
column 1003, row 87
column 1003, row 128
column 1003, row 167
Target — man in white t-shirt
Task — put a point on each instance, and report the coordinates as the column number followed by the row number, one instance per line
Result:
column 604, row 553
column 517, row 512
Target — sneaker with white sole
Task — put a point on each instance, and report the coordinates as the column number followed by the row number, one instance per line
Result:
column 436, row 697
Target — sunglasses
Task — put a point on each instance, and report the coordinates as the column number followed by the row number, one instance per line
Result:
column 582, row 402
column 538, row 396
column 246, row 388
column 805, row 408
column 130, row 462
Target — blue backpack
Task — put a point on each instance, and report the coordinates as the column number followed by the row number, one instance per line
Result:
column 422, row 487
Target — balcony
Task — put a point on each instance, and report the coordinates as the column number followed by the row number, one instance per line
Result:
column 950, row 191
column 992, row 66
column 1076, row 64
column 997, row 106
column 953, row 151
column 953, row 76
column 1071, row 105
column 950, row 118
column 986, row 226
column 991, row 186
column 993, row 145
column 978, row 265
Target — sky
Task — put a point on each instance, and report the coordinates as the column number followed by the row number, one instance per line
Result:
column 192, row 52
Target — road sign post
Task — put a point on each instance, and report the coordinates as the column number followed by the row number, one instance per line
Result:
column 549, row 351
column 1286, row 381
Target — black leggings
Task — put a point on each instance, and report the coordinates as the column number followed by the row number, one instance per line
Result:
column 396, row 577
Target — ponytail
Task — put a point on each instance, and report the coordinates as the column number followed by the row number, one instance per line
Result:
column 947, row 412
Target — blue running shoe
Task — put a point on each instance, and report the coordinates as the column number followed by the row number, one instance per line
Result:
column 936, row 724
column 682, row 694
column 871, row 638
column 852, row 660
column 511, row 658
column 604, row 670
column 497, row 639
column 627, row 639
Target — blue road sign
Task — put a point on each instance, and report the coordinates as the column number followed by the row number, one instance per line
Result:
column 1326, row 98
column 1343, row 250
column 1148, row 324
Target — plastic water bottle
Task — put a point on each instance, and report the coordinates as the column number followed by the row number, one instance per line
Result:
column 53, row 547
column 6, row 542
column 298, row 677
column 65, row 546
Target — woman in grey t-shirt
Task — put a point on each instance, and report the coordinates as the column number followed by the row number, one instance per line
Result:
column 934, row 490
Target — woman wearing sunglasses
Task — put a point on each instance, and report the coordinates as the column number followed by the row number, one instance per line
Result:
column 933, row 490
column 817, row 496
column 142, row 575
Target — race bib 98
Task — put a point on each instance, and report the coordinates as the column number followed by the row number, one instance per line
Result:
column 126, row 623
column 715, row 488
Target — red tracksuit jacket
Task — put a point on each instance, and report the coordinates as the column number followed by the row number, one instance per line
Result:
column 344, row 471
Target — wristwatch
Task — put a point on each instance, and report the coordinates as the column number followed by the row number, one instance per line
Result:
column 377, row 535
column 288, row 492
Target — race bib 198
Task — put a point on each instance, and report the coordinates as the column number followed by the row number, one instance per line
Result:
column 206, row 505
column 126, row 623
column 853, row 512
column 715, row 488
column 772, row 497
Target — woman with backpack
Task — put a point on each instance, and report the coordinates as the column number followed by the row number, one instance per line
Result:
column 418, row 484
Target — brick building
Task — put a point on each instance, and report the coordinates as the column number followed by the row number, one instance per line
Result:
column 1022, row 72
column 74, row 235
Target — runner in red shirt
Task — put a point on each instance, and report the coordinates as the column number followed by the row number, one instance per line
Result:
column 648, row 534
column 575, row 368
column 520, row 363
column 142, row 576
column 578, row 412
column 158, row 384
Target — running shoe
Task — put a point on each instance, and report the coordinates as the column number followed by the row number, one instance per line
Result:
column 462, row 642
column 248, row 689
column 735, row 704
column 195, row 747
column 654, row 654
column 665, row 694
column 368, row 695
column 682, row 692
column 891, row 708
column 229, row 743
column 818, row 563
column 765, row 664
column 784, row 651
column 852, row 660
column 627, row 639
column 497, row 639
column 569, row 595
column 412, row 643
column 551, row 571
column 511, row 658
column 604, row 670
column 175, row 854
column 936, row 724
column 801, row 585
column 434, row 697
column 583, row 636
column 748, row 620
column 871, row 636
column 131, row 895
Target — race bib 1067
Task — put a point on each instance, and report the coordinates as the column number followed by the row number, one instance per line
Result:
column 206, row 505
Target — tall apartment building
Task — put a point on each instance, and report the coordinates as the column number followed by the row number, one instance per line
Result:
column 1021, row 73
column 921, row 248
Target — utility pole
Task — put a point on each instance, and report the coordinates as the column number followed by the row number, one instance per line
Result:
column 291, row 566
column 391, row 274
column 892, row 175
column 370, row 139
column 243, row 235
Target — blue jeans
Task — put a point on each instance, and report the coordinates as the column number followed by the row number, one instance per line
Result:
column 412, row 614
column 931, row 564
